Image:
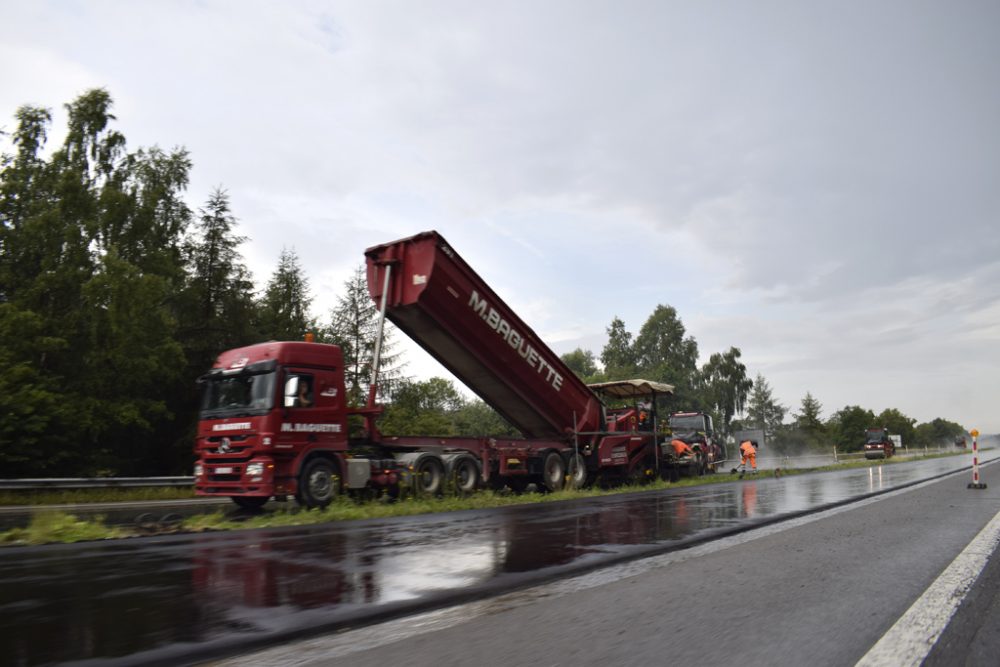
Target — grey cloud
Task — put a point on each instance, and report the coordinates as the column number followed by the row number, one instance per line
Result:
column 852, row 138
column 826, row 165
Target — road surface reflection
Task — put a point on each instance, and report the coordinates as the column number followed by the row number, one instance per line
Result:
column 166, row 599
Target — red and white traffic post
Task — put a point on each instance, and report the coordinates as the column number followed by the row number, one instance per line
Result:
column 975, row 484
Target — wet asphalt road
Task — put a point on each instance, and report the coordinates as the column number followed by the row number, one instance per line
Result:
column 181, row 599
column 818, row 590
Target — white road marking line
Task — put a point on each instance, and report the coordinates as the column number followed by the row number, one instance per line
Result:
column 911, row 638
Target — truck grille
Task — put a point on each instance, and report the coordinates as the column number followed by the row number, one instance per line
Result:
column 228, row 449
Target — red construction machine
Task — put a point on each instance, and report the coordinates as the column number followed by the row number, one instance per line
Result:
column 274, row 421
column 878, row 444
column 695, row 429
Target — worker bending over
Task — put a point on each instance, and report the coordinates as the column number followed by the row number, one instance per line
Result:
column 748, row 453
column 681, row 449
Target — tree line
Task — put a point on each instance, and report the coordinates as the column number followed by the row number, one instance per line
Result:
column 662, row 352
column 844, row 428
column 115, row 295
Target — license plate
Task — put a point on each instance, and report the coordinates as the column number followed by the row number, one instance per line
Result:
column 224, row 471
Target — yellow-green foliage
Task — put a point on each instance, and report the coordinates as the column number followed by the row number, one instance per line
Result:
column 49, row 527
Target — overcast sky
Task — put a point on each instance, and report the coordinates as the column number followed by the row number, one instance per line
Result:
column 815, row 183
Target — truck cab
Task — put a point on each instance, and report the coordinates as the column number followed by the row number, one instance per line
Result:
column 273, row 422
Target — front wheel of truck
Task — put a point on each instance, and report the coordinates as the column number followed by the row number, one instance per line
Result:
column 318, row 483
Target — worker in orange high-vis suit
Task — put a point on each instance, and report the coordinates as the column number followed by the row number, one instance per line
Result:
column 681, row 448
column 748, row 453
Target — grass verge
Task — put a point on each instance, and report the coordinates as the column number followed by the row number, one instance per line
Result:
column 53, row 527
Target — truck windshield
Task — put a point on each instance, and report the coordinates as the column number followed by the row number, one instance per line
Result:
column 246, row 393
column 876, row 436
column 692, row 423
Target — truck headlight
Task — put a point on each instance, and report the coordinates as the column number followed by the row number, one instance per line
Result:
column 255, row 469
column 199, row 470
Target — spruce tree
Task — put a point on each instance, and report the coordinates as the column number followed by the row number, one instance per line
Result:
column 284, row 307
column 354, row 327
column 763, row 411
column 219, row 293
column 618, row 355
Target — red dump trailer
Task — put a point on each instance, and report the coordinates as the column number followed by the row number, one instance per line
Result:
column 274, row 421
column 436, row 299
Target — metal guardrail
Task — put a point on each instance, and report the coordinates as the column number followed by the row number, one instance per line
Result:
column 148, row 482
column 767, row 461
column 95, row 482
column 842, row 457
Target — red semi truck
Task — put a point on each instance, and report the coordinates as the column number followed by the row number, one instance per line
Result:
column 274, row 420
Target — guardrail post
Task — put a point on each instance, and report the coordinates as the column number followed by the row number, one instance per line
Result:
column 975, row 484
column 835, row 454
